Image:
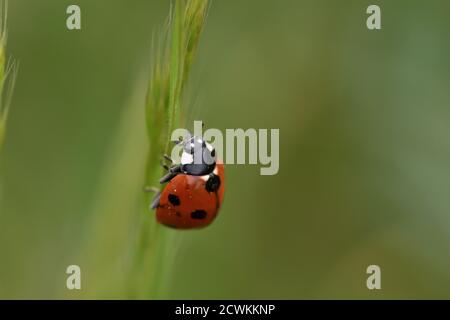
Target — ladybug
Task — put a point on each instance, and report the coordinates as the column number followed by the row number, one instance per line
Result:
column 194, row 191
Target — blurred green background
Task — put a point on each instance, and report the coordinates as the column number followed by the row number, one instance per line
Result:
column 364, row 140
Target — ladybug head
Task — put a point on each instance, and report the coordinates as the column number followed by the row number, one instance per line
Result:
column 199, row 157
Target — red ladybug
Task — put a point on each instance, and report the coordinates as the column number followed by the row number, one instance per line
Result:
column 194, row 192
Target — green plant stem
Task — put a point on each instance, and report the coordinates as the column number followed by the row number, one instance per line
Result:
column 8, row 73
column 173, row 57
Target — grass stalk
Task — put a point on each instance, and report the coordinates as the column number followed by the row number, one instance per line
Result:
column 173, row 54
column 8, row 73
column 129, row 255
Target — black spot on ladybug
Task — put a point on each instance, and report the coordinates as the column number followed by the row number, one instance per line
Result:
column 174, row 200
column 198, row 214
column 213, row 183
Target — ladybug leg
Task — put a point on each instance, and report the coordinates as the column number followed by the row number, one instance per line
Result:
column 151, row 189
column 155, row 201
column 168, row 158
column 165, row 166
column 166, row 178
column 173, row 172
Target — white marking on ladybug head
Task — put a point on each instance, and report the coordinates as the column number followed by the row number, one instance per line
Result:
column 196, row 145
column 186, row 158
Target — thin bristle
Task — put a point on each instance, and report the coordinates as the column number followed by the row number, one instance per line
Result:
column 8, row 72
